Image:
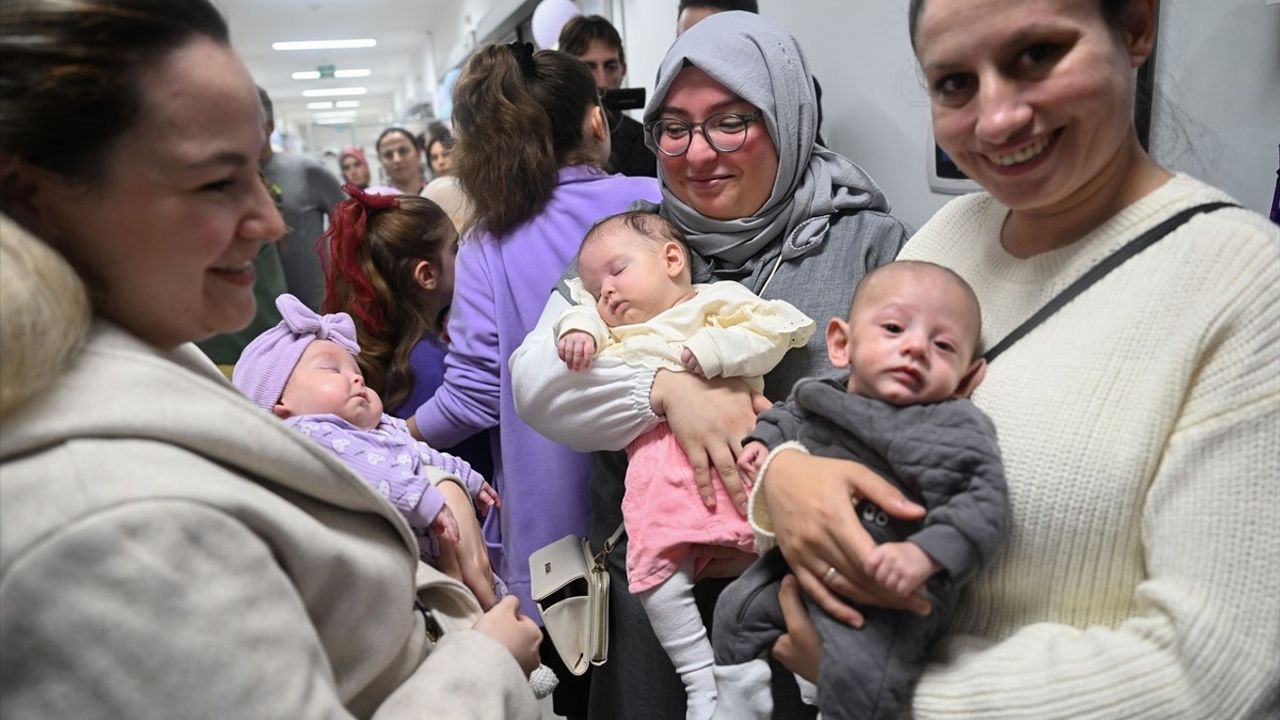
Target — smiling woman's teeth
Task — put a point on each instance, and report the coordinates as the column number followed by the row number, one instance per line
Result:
column 1022, row 155
column 235, row 268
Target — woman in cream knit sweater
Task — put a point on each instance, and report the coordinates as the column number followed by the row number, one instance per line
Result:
column 1140, row 425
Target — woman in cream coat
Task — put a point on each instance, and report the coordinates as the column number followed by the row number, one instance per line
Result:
column 167, row 549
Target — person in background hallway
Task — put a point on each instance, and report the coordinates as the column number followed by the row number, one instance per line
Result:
column 1139, row 425
column 308, row 193
column 690, row 12
column 532, row 145
column 439, row 145
column 169, row 549
column 596, row 42
column 355, row 169
column 401, row 158
column 444, row 189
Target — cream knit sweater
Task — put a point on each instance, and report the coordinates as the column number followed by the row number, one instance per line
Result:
column 1140, row 428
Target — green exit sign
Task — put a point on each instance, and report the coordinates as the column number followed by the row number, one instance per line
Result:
column 326, row 71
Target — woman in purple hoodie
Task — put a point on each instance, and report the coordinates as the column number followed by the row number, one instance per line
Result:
column 532, row 142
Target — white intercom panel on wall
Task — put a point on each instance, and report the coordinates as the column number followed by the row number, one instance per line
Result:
column 944, row 176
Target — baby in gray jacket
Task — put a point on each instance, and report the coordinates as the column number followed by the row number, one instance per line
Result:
column 911, row 342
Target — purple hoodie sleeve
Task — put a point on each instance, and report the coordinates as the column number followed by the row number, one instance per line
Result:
column 470, row 398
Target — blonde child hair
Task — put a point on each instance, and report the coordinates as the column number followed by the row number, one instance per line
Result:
column 44, row 314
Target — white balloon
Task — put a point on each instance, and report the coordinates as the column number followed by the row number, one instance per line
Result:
column 548, row 18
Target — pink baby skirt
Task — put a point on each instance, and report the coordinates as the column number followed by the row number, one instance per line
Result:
column 664, row 514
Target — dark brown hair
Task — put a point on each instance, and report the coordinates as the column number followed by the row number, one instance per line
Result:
column 69, row 78
column 516, row 125
column 438, row 132
column 375, row 273
column 577, row 34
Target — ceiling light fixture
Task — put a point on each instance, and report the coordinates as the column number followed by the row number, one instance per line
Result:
column 334, row 121
column 322, row 105
column 335, row 92
column 315, row 74
column 347, row 103
column 324, row 44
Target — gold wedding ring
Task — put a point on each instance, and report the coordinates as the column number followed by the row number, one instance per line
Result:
column 830, row 575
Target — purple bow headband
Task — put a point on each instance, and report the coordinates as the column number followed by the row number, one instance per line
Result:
column 302, row 320
column 266, row 364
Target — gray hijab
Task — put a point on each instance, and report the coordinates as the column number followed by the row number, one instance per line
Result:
column 761, row 63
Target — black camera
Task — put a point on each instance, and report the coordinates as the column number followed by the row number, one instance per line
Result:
column 616, row 101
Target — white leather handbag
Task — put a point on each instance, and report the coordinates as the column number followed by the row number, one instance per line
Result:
column 571, row 588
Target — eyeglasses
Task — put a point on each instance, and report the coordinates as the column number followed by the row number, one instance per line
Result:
column 725, row 132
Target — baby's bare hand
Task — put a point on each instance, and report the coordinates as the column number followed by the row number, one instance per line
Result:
column 901, row 567
column 751, row 459
column 445, row 525
column 690, row 361
column 577, row 348
column 487, row 498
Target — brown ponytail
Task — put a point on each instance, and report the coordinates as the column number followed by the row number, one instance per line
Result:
column 375, row 246
column 516, row 124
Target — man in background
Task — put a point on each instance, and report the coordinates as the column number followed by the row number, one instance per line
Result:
column 307, row 193
column 596, row 42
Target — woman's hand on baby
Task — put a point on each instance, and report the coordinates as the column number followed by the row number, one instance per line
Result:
column 466, row 559
column 577, row 348
column 445, row 525
column 811, row 506
column 709, row 419
column 749, row 462
column 799, row 649
column 690, row 361
column 518, row 634
column 902, row 567
column 486, row 499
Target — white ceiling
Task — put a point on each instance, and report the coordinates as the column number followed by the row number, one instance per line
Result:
column 399, row 26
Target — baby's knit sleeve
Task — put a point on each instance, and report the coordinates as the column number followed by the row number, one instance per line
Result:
column 582, row 316
column 453, row 465
column 747, row 336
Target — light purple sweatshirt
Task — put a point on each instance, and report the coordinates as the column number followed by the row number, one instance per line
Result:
column 500, row 290
column 394, row 464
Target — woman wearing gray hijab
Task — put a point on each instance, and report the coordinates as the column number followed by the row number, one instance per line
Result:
column 732, row 121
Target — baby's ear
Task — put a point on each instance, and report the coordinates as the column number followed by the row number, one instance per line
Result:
column 673, row 256
column 838, row 350
column 972, row 379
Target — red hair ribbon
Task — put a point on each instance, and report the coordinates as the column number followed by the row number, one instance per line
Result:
column 345, row 235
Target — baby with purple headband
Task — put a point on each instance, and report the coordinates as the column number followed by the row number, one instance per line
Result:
column 304, row 371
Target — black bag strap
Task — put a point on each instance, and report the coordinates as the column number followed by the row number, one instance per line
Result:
column 1097, row 272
